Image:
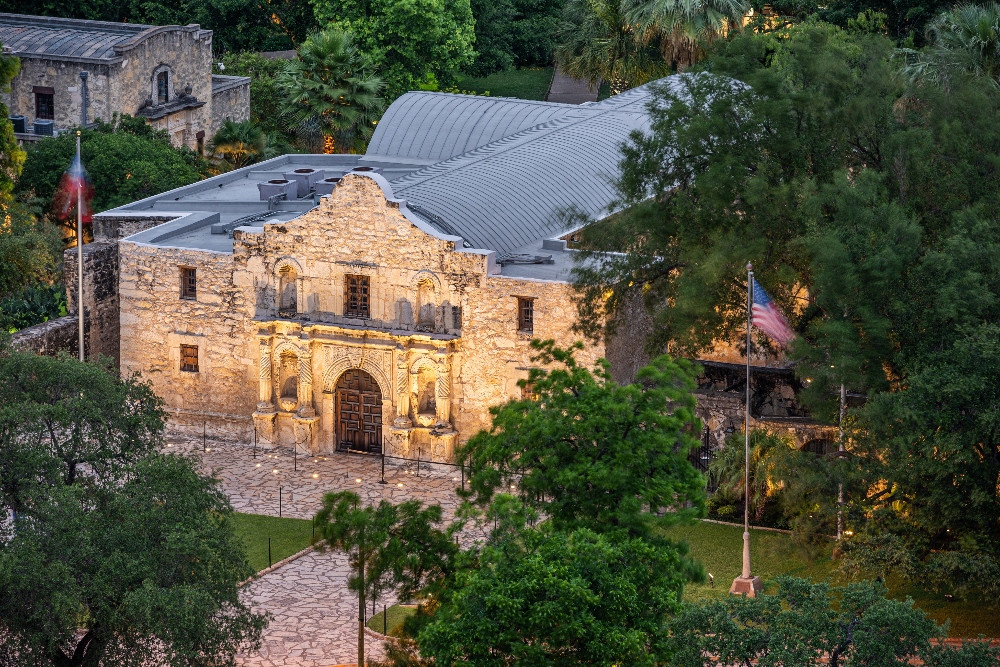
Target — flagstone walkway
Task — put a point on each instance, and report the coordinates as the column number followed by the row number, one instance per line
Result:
column 314, row 615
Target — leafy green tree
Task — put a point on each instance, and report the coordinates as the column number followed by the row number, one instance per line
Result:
column 32, row 305
column 494, row 20
column 596, row 42
column 135, row 548
column 412, row 43
column 964, row 39
column 127, row 161
column 802, row 625
column 238, row 145
column 722, row 175
column 148, row 566
column 576, row 598
column 77, row 417
column 388, row 547
column 590, row 452
column 533, row 31
column 767, row 454
column 684, row 28
column 11, row 155
column 330, row 91
column 266, row 96
column 30, row 249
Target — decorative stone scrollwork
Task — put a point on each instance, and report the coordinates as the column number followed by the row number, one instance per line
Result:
column 443, row 389
column 264, row 380
column 305, row 385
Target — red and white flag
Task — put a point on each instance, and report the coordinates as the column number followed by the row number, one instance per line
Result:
column 768, row 317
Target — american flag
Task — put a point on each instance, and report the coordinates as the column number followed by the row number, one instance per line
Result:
column 768, row 318
column 73, row 181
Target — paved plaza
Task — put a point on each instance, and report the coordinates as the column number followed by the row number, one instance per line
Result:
column 314, row 615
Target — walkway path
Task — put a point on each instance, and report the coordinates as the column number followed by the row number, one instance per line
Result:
column 567, row 90
column 314, row 615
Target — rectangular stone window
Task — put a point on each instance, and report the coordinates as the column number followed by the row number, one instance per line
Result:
column 45, row 108
column 357, row 296
column 189, row 283
column 189, row 358
column 162, row 88
column 525, row 314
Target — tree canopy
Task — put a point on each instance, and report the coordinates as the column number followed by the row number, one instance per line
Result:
column 867, row 204
column 127, row 160
column 413, row 43
column 107, row 535
column 586, row 451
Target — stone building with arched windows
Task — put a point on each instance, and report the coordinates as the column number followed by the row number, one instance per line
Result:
column 75, row 71
column 377, row 302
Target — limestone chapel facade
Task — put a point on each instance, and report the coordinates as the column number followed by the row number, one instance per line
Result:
column 381, row 302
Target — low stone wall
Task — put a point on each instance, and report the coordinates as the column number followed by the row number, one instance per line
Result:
column 52, row 337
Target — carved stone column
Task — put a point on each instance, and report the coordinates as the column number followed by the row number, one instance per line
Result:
column 266, row 390
column 402, row 389
column 442, row 393
column 305, row 385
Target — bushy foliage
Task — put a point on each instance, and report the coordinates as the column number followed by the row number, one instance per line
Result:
column 127, row 160
column 32, row 305
column 413, row 44
column 30, row 249
column 107, row 535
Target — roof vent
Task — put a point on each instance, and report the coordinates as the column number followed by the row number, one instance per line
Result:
column 278, row 187
column 326, row 186
column 366, row 170
column 306, row 177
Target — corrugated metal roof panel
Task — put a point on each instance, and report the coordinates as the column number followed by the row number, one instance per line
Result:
column 67, row 38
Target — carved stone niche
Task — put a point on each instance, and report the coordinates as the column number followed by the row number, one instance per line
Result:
column 288, row 381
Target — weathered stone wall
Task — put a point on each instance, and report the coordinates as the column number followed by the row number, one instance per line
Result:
column 230, row 101
column 64, row 78
column 100, row 296
column 155, row 322
column 187, row 53
column 441, row 340
column 52, row 337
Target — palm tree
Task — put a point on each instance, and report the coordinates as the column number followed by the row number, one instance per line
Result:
column 767, row 452
column 965, row 38
column 682, row 27
column 237, row 145
column 596, row 43
column 330, row 93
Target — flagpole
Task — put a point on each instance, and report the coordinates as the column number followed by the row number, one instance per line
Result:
column 747, row 584
column 840, row 449
column 746, row 433
column 79, row 248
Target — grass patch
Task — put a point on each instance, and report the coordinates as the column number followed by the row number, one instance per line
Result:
column 719, row 548
column 525, row 84
column 288, row 536
column 395, row 615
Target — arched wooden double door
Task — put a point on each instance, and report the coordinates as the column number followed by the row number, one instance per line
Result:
column 358, row 409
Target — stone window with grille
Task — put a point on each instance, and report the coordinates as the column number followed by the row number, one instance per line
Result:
column 45, row 107
column 525, row 314
column 357, row 296
column 189, row 283
column 189, row 358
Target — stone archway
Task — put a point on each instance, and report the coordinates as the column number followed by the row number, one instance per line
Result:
column 357, row 412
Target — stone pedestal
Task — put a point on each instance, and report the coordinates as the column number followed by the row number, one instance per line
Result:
column 750, row 587
column 443, row 444
column 264, row 428
column 306, row 430
column 397, row 441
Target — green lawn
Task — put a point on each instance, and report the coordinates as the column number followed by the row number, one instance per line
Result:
column 526, row 84
column 288, row 536
column 396, row 615
column 720, row 549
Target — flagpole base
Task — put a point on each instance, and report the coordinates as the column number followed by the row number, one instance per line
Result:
column 751, row 587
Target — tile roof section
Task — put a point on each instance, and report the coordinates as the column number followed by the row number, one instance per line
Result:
column 72, row 39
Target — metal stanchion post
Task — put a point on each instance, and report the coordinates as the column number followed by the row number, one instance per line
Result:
column 385, row 621
column 382, row 481
column 269, row 552
column 279, row 502
column 255, row 439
